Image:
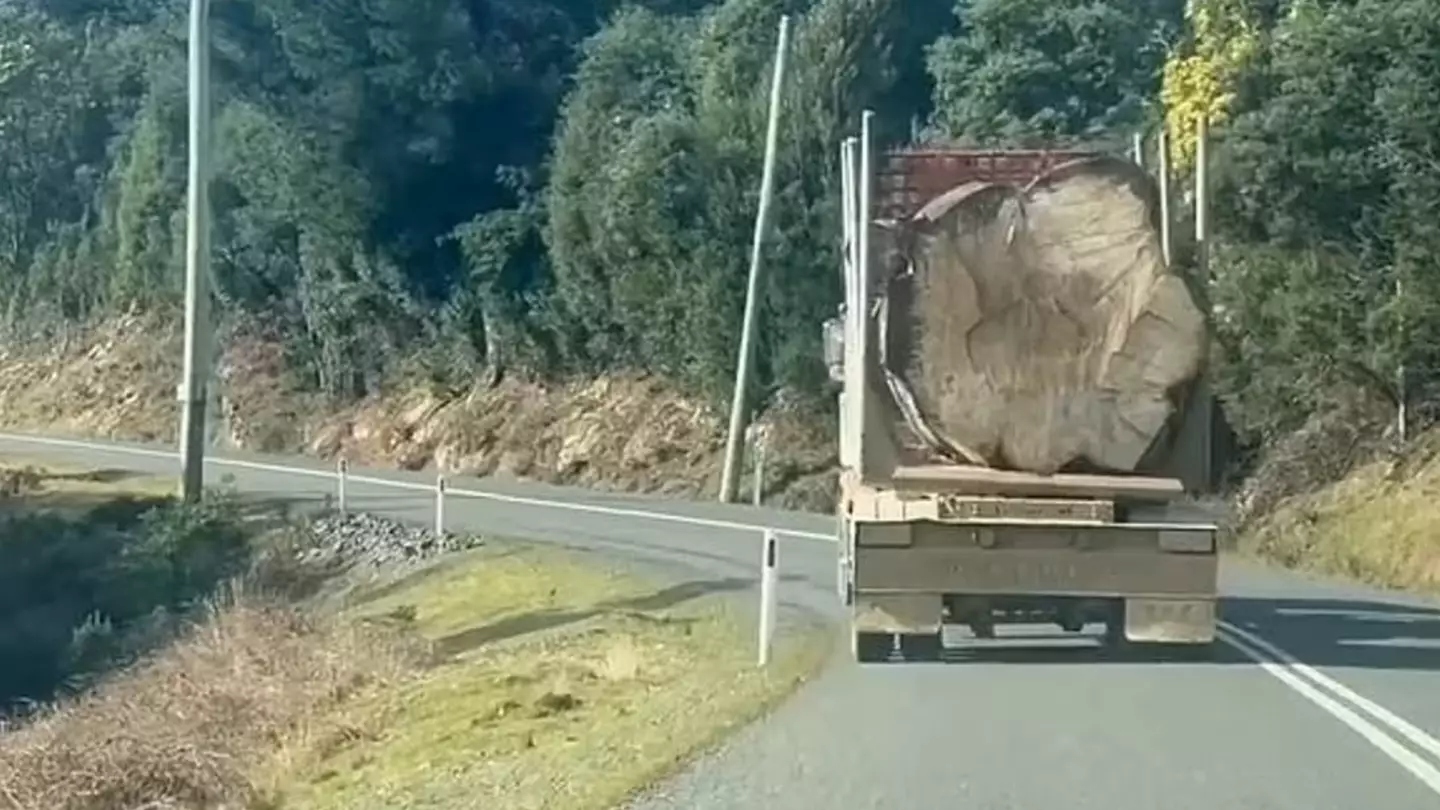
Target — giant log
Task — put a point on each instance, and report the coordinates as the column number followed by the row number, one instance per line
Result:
column 1037, row 327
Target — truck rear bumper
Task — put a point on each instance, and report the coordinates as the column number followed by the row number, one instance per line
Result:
column 1152, row 583
column 1166, row 620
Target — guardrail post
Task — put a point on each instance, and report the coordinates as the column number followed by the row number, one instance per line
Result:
column 769, row 567
column 342, row 472
column 439, row 506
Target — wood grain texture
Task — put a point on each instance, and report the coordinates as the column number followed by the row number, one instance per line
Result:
column 1036, row 329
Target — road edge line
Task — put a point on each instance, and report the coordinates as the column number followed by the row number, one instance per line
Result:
column 1427, row 773
column 517, row 500
column 1414, row 734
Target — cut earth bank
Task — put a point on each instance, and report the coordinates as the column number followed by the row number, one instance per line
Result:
column 116, row 380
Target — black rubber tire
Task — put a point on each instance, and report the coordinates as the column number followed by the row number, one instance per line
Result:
column 921, row 646
column 873, row 648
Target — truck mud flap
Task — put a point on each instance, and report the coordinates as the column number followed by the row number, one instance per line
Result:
column 1169, row 621
column 907, row 613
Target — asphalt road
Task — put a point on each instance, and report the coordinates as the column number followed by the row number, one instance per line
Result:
column 1324, row 696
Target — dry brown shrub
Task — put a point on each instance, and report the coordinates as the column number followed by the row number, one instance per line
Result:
column 191, row 727
column 1329, row 446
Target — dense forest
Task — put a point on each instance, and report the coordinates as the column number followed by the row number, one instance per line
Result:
column 567, row 187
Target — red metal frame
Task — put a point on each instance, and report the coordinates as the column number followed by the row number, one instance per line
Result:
column 908, row 179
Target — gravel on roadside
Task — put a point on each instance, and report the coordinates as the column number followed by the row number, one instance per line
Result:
column 368, row 539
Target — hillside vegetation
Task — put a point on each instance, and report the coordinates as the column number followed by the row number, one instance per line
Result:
column 428, row 214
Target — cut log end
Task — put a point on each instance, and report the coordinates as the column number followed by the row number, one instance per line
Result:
column 1040, row 329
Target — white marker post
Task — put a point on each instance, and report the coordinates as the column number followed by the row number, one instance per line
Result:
column 439, row 506
column 759, row 494
column 758, row 440
column 342, row 472
column 769, row 567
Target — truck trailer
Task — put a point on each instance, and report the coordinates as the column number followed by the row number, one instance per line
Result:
column 990, row 482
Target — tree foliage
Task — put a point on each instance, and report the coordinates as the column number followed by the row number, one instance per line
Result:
column 657, row 168
column 1034, row 71
column 1200, row 80
column 1328, row 184
column 569, row 186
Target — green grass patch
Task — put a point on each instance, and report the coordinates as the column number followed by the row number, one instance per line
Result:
column 557, row 684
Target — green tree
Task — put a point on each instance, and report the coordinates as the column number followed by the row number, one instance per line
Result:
column 1328, row 182
column 1034, row 71
column 657, row 166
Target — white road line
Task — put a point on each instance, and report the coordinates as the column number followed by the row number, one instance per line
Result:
column 517, row 500
column 1417, row 737
column 1406, row 758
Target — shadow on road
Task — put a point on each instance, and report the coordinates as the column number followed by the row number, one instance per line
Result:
column 1365, row 634
column 105, row 476
column 1319, row 632
column 542, row 620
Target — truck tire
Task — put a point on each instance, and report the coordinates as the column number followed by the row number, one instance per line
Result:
column 921, row 646
column 871, row 648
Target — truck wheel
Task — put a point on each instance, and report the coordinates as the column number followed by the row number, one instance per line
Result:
column 871, row 648
column 921, row 646
column 1115, row 627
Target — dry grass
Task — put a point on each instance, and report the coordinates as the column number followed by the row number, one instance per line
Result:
column 115, row 380
column 514, row 675
column 1380, row 525
column 621, row 432
column 29, row 486
column 189, row 727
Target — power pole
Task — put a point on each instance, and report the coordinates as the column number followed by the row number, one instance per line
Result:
column 193, row 388
column 1202, row 201
column 1163, row 164
column 730, row 475
column 1202, row 267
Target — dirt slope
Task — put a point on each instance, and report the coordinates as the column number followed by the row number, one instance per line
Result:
column 1380, row 524
column 116, row 380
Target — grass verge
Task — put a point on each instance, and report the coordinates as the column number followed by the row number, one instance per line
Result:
column 512, row 675
column 556, row 684
column 1380, row 525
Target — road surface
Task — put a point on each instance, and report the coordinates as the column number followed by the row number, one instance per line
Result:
column 1324, row 697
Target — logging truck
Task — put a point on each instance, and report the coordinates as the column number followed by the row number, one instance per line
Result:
column 1023, row 415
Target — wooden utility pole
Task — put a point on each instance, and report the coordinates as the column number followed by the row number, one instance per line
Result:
column 739, row 415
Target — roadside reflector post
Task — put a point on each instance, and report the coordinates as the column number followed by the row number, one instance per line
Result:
column 439, row 506
column 769, row 566
column 759, row 436
column 342, row 471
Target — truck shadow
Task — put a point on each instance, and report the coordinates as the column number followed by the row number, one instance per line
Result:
column 542, row 620
column 1364, row 634
column 1360, row 634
